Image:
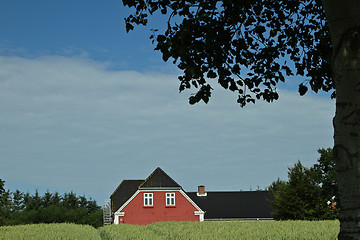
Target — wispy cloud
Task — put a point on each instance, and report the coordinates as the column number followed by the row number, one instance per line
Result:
column 71, row 123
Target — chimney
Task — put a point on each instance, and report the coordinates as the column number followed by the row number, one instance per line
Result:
column 201, row 191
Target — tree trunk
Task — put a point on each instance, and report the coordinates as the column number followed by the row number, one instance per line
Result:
column 344, row 22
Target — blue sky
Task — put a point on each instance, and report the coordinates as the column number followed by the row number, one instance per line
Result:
column 87, row 28
column 83, row 105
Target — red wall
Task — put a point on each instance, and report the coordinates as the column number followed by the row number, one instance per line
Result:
column 136, row 213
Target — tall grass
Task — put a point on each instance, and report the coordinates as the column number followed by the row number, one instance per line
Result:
column 274, row 230
column 43, row 231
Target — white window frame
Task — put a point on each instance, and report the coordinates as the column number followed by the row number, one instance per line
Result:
column 148, row 200
column 170, row 199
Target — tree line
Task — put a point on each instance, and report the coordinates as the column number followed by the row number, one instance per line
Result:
column 309, row 193
column 25, row 208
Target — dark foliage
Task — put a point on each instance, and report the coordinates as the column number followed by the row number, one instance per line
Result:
column 308, row 193
column 19, row 208
column 247, row 46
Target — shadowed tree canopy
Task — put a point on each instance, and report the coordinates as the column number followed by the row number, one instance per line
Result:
column 248, row 47
column 309, row 192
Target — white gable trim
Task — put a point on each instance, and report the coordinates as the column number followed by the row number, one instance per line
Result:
column 191, row 201
column 200, row 214
column 117, row 216
column 199, row 211
column 118, row 213
column 126, row 203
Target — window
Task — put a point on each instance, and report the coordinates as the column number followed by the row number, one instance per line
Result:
column 170, row 199
column 148, row 199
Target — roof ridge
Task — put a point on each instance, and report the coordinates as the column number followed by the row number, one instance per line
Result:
column 243, row 192
column 150, row 176
column 133, row 180
column 158, row 170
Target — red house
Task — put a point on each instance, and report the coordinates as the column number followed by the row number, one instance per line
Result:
column 158, row 198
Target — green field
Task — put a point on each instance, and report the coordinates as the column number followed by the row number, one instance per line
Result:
column 49, row 231
column 179, row 230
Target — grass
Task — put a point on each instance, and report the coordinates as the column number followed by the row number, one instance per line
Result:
column 266, row 230
column 49, row 231
column 289, row 230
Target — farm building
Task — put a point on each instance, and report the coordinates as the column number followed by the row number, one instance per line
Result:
column 160, row 198
column 242, row 205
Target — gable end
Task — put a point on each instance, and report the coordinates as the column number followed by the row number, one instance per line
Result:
column 159, row 179
column 123, row 192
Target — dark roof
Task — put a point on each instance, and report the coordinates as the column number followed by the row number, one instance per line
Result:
column 159, row 179
column 123, row 192
column 222, row 205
